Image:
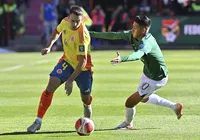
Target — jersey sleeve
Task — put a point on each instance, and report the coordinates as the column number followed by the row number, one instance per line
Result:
column 145, row 47
column 125, row 35
column 132, row 57
column 84, row 44
column 59, row 28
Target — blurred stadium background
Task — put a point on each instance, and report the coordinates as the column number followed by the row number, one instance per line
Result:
column 23, row 76
column 176, row 23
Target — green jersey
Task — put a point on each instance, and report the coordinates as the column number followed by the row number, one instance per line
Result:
column 146, row 50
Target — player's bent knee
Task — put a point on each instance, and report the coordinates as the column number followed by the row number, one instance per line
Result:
column 129, row 103
column 51, row 88
column 133, row 100
column 145, row 100
column 53, row 84
column 86, row 99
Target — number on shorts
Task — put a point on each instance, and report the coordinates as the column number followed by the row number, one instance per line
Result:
column 145, row 86
column 64, row 65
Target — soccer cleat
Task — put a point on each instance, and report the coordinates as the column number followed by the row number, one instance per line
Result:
column 124, row 125
column 178, row 110
column 87, row 111
column 34, row 127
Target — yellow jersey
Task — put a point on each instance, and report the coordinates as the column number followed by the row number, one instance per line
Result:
column 75, row 42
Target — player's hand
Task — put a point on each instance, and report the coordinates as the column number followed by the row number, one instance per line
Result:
column 116, row 60
column 68, row 87
column 45, row 51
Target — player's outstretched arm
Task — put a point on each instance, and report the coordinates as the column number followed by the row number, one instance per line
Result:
column 132, row 57
column 55, row 35
column 110, row 35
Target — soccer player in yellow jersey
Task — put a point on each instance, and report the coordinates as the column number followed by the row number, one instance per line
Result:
column 74, row 65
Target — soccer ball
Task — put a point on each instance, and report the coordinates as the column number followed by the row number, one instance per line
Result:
column 84, row 126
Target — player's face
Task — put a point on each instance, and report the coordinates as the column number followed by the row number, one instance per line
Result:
column 75, row 21
column 138, row 31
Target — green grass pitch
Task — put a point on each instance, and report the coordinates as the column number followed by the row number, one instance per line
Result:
column 23, row 76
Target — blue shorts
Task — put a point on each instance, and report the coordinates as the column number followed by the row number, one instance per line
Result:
column 64, row 70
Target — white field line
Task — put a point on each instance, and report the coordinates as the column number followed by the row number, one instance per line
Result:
column 40, row 62
column 12, row 68
column 20, row 66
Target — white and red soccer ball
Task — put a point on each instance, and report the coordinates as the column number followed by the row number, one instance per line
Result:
column 84, row 126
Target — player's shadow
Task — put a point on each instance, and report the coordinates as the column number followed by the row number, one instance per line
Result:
column 124, row 129
column 60, row 132
column 47, row 132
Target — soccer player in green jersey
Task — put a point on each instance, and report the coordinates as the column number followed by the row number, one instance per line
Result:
column 155, row 73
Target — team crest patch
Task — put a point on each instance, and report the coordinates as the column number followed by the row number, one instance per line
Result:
column 141, row 46
column 81, row 48
column 59, row 71
column 72, row 39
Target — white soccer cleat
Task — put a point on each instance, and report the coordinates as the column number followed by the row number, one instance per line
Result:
column 34, row 127
column 124, row 125
column 178, row 110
